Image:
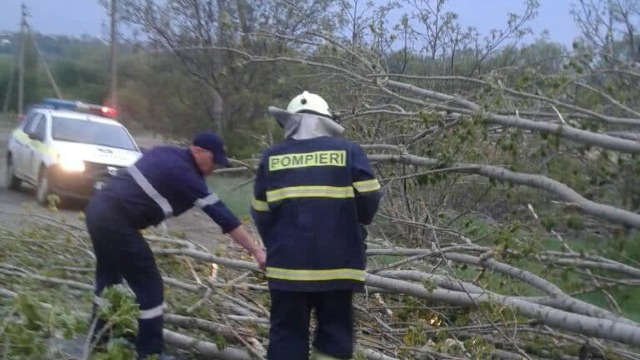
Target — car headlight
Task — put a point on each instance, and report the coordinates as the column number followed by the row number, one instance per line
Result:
column 71, row 164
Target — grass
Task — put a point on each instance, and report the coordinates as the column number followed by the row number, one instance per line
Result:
column 622, row 250
column 567, row 278
column 235, row 192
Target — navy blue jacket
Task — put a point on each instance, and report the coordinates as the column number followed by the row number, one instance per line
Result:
column 165, row 182
column 310, row 198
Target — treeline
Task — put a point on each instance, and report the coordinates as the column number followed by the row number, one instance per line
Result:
column 159, row 93
column 190, row 76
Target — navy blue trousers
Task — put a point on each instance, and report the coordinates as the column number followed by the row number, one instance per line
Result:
column 121, row 252
column 290, row 319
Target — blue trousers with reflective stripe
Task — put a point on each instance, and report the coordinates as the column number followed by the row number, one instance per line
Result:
column 290, row 319
column 121, row 252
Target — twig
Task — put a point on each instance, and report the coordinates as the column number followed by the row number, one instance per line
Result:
column 249, row 347
column 197, row 304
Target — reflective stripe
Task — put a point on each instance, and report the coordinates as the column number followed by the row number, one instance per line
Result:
column 209, row 200
column 24, row 139
column 98, row 300
column 315, row 275
column 151, row 191
column 151, row 313
column 259, row 205
column 367, row 185
column 310, row 191
column 21, row 135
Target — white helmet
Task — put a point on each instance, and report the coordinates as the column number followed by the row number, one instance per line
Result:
column 309, row 102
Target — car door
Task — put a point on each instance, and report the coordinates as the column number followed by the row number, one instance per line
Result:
column 38, row 147
column 21, row 151
column 31, row 147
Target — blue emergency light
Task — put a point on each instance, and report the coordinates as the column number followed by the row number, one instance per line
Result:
column 60, row 104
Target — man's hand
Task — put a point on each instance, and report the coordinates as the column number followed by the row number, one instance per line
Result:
column 242, row 237
column 261, row 258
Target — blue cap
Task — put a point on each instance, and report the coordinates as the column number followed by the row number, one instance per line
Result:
column 213, row 143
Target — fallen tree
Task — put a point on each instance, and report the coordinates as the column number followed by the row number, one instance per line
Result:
column 217, row 305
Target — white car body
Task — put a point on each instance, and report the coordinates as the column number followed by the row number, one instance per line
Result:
column 67, row 153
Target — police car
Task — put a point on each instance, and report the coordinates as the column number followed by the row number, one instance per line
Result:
column 68, row 148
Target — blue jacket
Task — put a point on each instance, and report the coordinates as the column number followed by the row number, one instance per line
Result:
column 165, row 182
column 310, row 198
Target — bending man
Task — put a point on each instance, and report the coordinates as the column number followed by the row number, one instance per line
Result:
column 166, row 181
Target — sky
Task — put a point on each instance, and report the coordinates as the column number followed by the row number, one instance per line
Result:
column 89, row 17
column 553, row 16
column 47, row 17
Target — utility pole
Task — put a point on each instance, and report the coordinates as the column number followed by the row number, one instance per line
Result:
column 23, row 44
column 113, row 70
column 9, row 92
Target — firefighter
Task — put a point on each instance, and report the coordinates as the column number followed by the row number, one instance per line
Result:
column 166, row 181
column 313, row 194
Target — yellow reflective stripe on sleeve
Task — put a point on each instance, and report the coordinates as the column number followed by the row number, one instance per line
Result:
column 316, row 158
column 367, row 185
column 315, row 275
column 339, row 192
column 259, row 205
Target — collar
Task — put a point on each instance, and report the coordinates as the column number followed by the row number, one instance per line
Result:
column 300, row 126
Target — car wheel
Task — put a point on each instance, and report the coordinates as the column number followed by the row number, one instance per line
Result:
column 12, row 181
column 43, row 189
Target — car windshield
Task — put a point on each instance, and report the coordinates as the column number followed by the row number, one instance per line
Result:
column 91, row 132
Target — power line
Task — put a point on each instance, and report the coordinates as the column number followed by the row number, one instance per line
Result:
column 44, row 63
column 25, row 31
